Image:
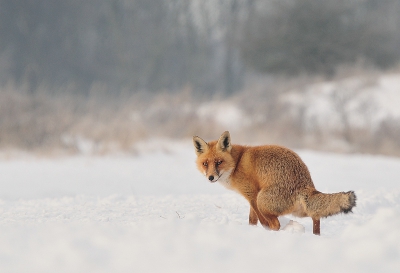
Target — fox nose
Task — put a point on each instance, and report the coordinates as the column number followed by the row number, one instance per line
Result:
column 211, row 178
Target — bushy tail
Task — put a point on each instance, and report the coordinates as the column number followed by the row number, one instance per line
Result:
column 318, row 204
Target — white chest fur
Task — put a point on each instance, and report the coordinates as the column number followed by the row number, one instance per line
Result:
column 225, row 180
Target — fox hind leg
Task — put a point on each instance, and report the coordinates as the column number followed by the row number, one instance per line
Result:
column 316, row 226
column 273, row 202
column 268, row 221
column 273, row 222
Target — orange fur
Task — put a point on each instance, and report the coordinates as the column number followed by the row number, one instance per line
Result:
column 273, row 179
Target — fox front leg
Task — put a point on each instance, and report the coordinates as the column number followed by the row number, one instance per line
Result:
column 253, row 218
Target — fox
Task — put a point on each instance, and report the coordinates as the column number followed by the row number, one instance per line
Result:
column 272, row 178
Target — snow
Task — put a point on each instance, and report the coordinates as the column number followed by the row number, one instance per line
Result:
column 154, row 212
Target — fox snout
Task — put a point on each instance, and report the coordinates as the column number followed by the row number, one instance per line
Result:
column 213, row 178
column 212, row 174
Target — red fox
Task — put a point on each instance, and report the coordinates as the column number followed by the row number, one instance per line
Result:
column 273, row 179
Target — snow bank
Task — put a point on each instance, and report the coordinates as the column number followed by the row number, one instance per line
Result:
column 357, row 102
column 156, row 213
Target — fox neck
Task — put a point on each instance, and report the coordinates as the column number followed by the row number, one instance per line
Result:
column 225, row 180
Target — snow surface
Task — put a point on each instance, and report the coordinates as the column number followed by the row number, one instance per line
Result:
column 154, row 212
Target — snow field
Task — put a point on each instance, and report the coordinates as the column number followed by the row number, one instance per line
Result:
column 154, row 212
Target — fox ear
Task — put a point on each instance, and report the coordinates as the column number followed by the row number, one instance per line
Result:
column 200, row 145
column 224, row 142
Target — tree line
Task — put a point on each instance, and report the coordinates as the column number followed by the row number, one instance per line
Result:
column 207, row 45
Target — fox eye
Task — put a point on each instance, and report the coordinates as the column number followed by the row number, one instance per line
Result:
column 205, row 164
column 219, row 162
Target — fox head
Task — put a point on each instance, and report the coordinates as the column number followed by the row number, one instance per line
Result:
column 214, row 159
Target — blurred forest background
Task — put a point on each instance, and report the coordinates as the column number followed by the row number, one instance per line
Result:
column 100, row 75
